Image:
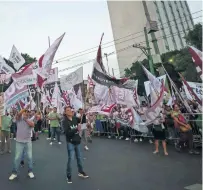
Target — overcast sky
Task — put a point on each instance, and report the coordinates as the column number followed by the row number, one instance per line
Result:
column 28, row 25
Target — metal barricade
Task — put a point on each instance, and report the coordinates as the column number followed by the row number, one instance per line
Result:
column 110, row 129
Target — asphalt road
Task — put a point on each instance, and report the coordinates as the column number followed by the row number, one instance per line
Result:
column 111, row 165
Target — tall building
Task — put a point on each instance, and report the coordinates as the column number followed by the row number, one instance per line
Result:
column 128, row 19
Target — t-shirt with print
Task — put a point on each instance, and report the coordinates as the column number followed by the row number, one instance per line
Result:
column 6, row 122
column 23, row 131
column 54, row 123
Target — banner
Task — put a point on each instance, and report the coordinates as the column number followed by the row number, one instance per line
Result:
column 154, row 111
column 53, row 76
column 13, row 94
column 197, row 89
column 16, row 58
column 2, row 110
column 55, row 96
column 102, row 109
column 49, row 88
column 147, row 84
column 68, row 81
column 5, row 68
column 123, row 96
column 26, row 75
column 101, row 94
column 136, row 121
column 5, row 78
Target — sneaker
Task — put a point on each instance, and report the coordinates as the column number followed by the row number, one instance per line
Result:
column 9, row 151
column 155, row 152
column 136, row 140
column 12, row 177
column 83, row 175
column 150, row 142
column 140, row 140
column 48, row 138
column 1, row 152
column 31, row 175
column 86, row 148
column 69, row 179
column 127, row 139
column 51, row 143
column 59, row 142
column 120, row 138
column 109, row 137
column 54, row 139
column 14, row 139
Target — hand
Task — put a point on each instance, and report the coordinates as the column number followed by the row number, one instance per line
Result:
column 79, row 127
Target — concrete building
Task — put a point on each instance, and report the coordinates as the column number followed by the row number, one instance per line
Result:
column 128, row 19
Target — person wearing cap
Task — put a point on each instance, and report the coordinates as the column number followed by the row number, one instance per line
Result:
column 23, row 142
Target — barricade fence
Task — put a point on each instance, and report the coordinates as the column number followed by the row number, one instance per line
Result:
column 112, row 129
column 121, row 130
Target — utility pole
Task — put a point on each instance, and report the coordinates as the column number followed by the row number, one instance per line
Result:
column 147, row 52
column 149, row 56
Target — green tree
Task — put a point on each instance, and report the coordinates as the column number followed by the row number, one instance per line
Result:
column 182, row 62
column 194, row 37
column 136, row 72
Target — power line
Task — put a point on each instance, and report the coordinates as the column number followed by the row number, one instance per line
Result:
column 123, row 49
column 122, row 38
column 117, row 43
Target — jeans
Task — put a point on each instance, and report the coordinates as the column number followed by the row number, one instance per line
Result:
column 22, row 148
column 49, row 131
column 5, row 135
column 84, row 136
column 74, row 149
column 55, row 131
column 23, row 155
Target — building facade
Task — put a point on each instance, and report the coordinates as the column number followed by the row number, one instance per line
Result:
column 128, row 19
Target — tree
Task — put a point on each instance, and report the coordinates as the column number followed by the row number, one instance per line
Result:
column 136, row 72
column 182, row 62
column 194, row 37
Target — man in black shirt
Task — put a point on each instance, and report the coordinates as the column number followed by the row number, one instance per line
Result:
column 71, row 130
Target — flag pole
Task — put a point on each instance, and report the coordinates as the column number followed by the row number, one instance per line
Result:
column 49, row 41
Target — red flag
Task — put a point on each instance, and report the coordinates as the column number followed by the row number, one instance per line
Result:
column 191, row 90
column 45, row 61
column 197, row 58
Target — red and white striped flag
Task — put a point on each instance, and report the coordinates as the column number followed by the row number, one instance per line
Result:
column 197, row 59
column 45, row 61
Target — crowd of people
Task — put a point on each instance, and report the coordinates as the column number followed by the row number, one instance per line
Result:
column 79, row 125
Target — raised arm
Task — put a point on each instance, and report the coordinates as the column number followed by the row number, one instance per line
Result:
column 30, row 123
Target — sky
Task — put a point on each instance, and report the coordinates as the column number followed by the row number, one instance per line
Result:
column 27, row 25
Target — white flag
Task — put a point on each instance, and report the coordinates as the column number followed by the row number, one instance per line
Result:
column 68, row 81
column 55, row 96
column 147, row 84
column 16, row 58
column 45, row 61
column 5, row 68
